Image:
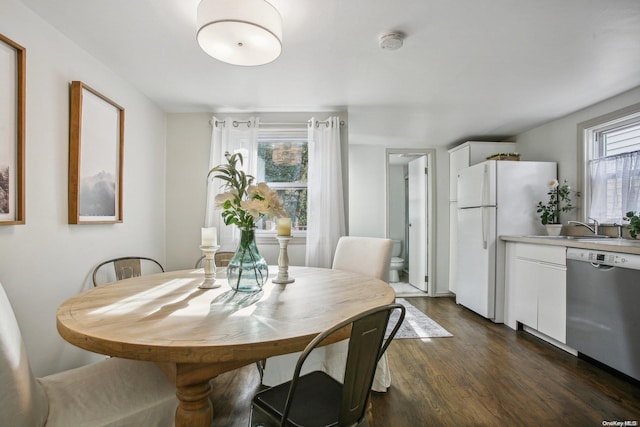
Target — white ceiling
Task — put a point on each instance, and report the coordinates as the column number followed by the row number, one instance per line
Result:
column 468, row 68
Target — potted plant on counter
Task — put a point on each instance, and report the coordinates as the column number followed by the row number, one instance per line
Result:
column 634, row 223
column 559, row 202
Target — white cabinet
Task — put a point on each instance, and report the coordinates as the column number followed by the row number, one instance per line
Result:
column 460, row 157
column 469, row 154
column 536, row 288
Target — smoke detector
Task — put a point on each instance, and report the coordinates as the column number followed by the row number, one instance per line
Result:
column 391, row 41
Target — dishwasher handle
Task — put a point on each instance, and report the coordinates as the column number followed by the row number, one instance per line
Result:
column 601, row 267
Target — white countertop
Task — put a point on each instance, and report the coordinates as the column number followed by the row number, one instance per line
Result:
column 628, row 246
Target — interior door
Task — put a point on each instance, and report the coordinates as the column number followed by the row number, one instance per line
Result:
column 418, row 274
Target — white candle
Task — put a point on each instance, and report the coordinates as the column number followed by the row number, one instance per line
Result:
column 209, row 236
column 284, row 226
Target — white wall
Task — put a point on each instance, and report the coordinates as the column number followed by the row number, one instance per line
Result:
column 188, row 140
column 442, row 220
column 367, row 191
column 397, row 214
column 46, row 261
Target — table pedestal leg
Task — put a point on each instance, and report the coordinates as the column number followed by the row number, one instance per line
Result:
column 195, row 408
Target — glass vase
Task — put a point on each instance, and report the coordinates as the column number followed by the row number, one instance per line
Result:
column 247, row 271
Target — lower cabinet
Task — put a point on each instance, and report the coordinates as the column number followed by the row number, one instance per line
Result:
column 536, row 288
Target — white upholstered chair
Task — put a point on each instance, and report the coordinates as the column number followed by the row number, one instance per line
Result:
column 112, row 392
column 368, row 256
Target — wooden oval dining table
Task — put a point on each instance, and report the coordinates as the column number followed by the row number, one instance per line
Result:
column 195, row 334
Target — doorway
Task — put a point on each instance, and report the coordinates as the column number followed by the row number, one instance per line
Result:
column 410, row 213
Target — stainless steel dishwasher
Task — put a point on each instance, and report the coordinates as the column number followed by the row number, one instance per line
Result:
column 603, row 313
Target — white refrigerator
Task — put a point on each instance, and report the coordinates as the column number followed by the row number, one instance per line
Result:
column 494, row 198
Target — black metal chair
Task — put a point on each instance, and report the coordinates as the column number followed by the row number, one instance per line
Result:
column 124, row 268
column 317, row 399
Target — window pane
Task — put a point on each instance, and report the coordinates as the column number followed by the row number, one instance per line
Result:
column 622, row 140
column 282, row 161
column 295, row 203
column 282, row 164
column 613, row 167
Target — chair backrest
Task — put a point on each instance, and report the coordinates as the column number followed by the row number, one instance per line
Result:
column 222, row 259
column 364, row 255
column 367, row 344
column 23, row 402
column 124, row 268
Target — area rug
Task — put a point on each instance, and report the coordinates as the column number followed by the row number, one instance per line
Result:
column 416, row 324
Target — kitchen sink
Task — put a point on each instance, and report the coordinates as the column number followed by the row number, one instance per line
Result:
column 580, row 237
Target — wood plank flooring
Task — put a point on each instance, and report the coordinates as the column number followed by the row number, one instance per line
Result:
column 485, row 375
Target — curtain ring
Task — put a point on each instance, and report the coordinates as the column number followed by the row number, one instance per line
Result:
column 237, row 123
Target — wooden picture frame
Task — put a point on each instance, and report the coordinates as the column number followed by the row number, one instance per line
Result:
column 12, row 131
column 96, row 141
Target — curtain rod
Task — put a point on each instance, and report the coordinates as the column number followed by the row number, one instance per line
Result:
column 308, row 123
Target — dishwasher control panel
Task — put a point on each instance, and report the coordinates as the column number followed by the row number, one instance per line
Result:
column 604, row 258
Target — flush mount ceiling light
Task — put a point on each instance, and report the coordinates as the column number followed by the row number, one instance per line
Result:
column 240, row 32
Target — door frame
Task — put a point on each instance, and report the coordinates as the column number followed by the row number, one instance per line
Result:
column 431, row 211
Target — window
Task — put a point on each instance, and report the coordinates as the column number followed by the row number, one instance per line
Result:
column 283, row 163
column 611, row 147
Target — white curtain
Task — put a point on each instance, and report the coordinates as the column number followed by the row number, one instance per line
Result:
column 325, row 208
column 615, row 186
column 233, row 136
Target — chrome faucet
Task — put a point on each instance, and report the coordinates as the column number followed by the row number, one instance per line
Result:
column 619, row 227
column 593, row 229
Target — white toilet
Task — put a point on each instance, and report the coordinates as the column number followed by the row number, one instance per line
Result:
column 397, row 263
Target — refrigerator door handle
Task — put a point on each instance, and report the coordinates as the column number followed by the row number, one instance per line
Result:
column 484, row 227
column 483, row 200
column 483, row 187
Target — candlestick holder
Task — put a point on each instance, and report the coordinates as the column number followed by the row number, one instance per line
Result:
column 283, row 262
column 209, row 267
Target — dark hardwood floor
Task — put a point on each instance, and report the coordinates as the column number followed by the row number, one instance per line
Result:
column 485, row 375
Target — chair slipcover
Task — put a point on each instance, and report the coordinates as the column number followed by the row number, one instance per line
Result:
column 113, row 392
column 369, row 256
column 23, row 402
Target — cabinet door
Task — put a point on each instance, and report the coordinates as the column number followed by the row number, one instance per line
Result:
column 523, row 291
column 552, row 303
column 458, row 159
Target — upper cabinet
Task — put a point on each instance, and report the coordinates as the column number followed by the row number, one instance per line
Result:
column 471, row 153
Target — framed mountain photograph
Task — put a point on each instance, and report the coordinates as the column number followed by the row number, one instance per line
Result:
column 12, row 124
column 96, row 138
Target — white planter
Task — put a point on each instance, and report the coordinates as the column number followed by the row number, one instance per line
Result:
column 553, row 229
